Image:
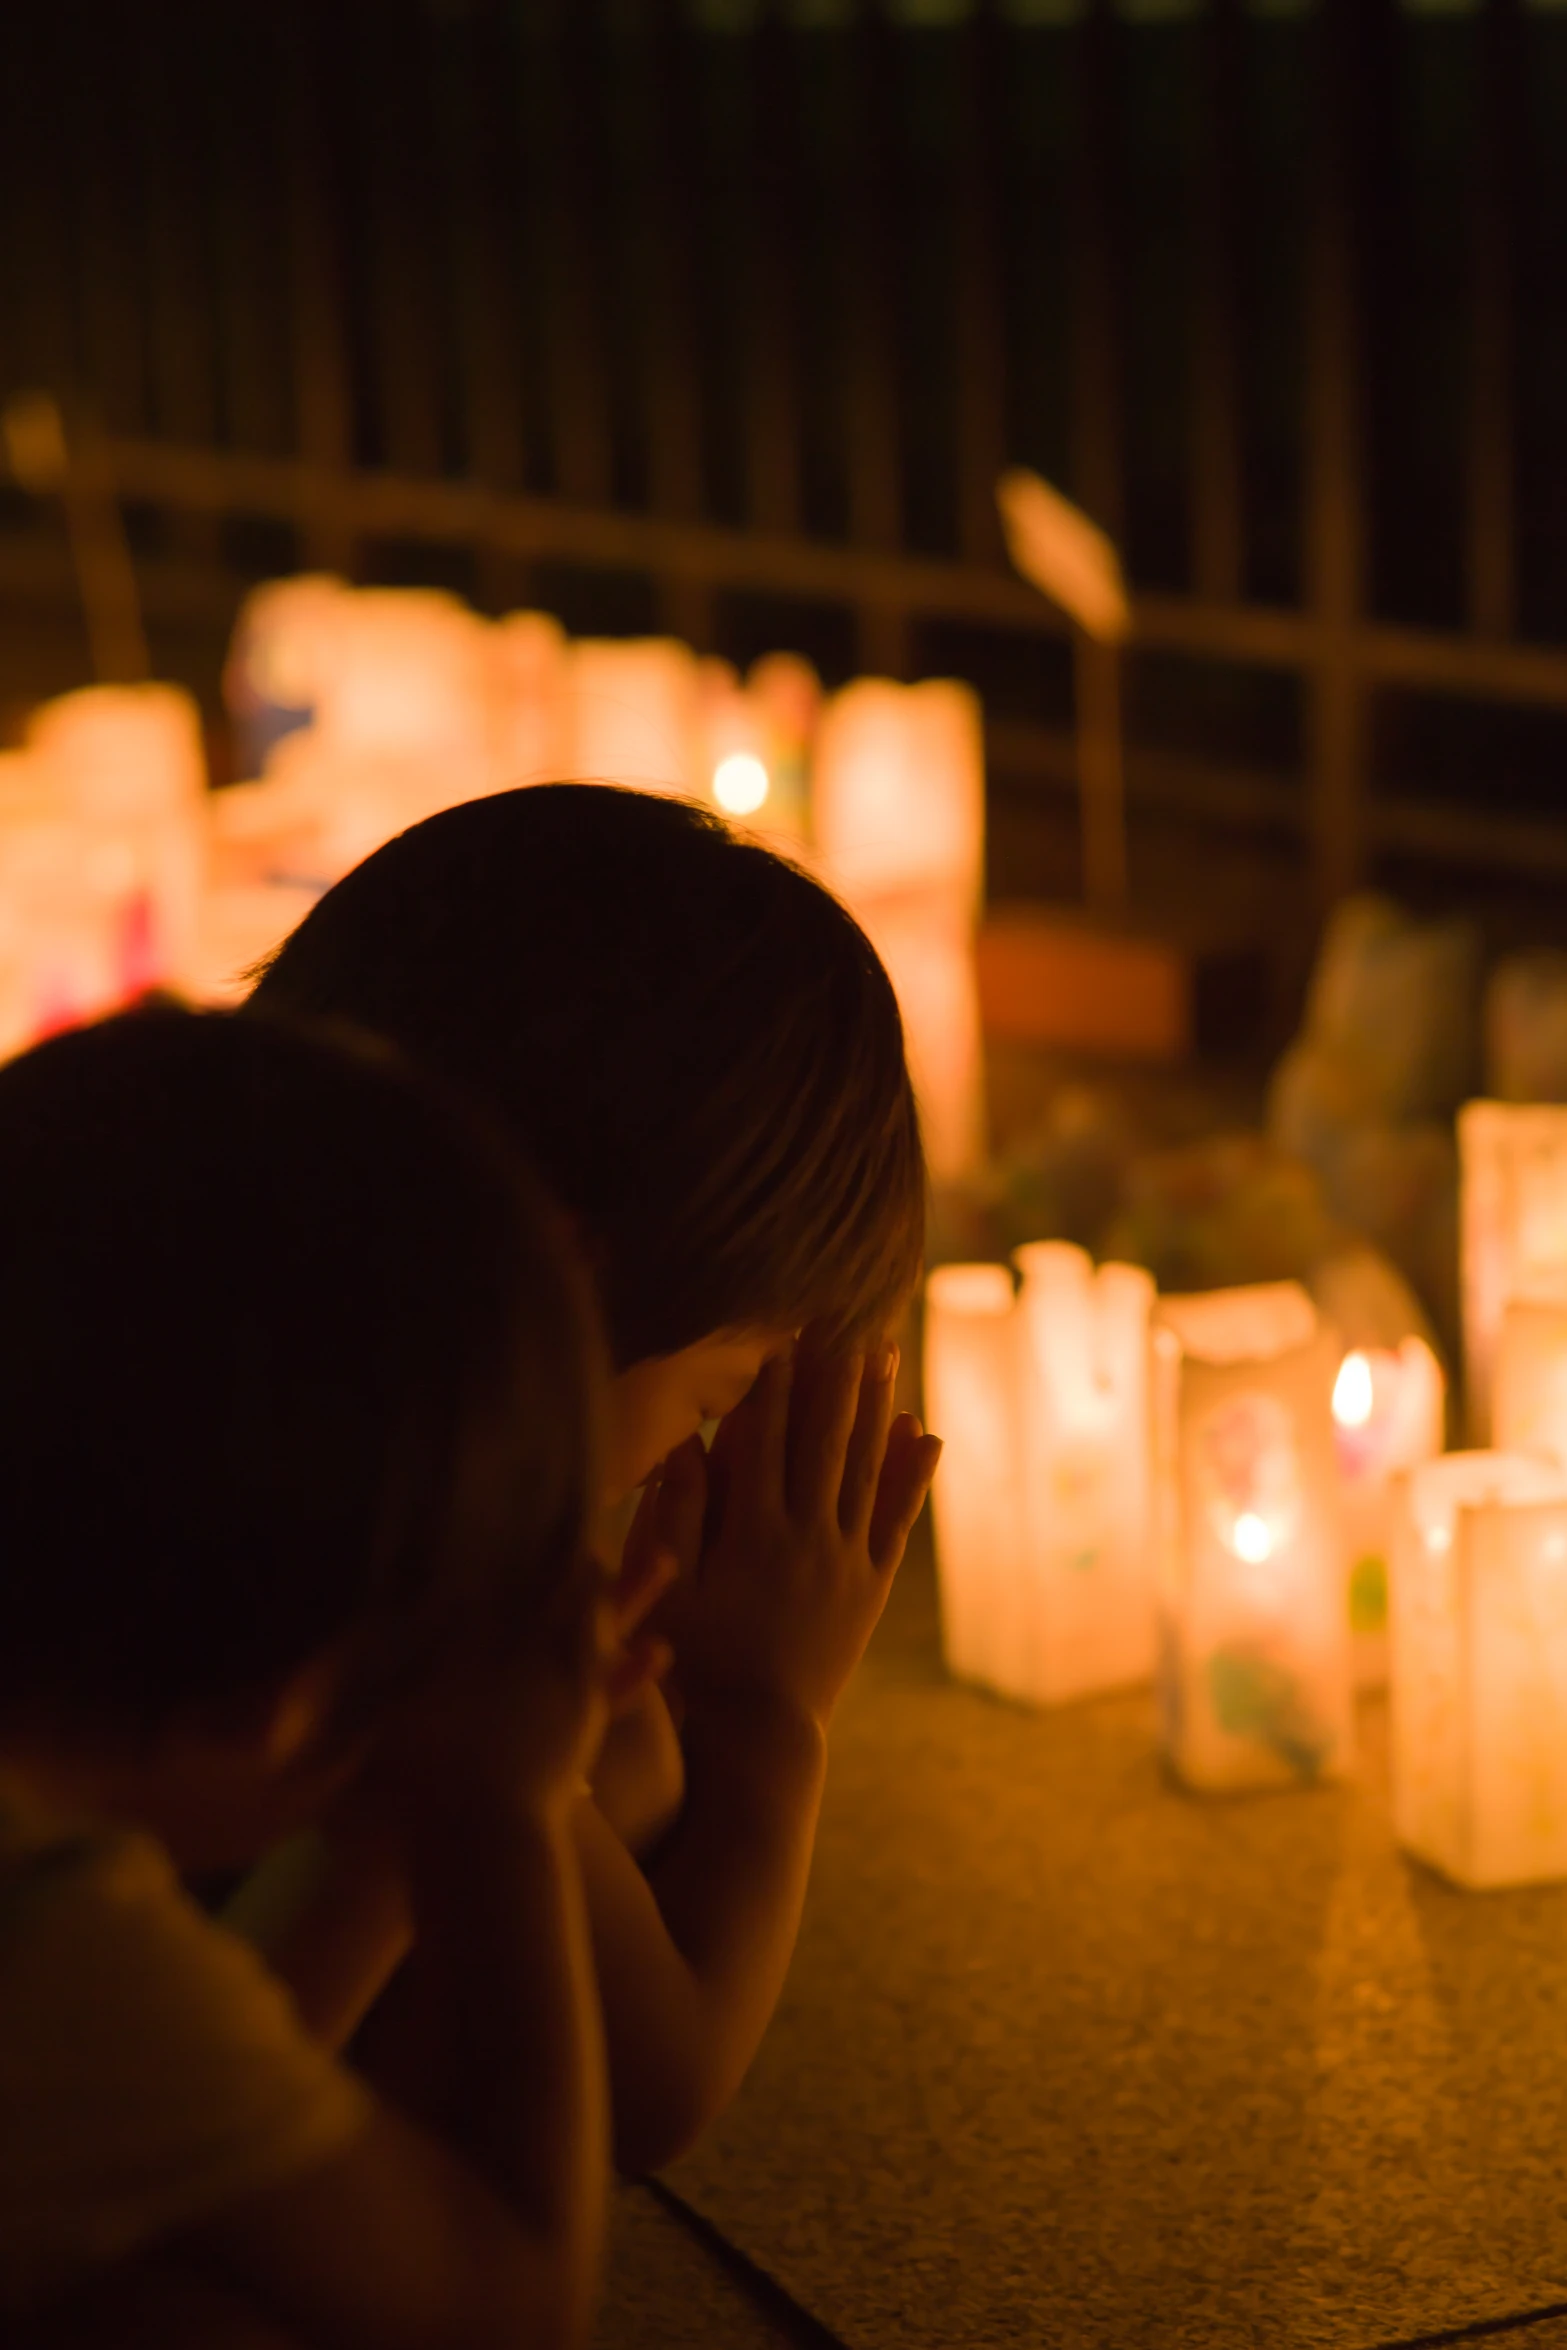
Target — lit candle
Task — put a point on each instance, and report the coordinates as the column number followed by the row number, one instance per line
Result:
column 1255, row 1662
column 1388, row 1413
column 970, row 1391
column 1513, row 1226
column 898, row 808
column 1083, row 1395
column 1479, row 1669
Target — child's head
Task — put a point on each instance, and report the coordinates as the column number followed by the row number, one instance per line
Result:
column 696, row 1043
column 293, row 1366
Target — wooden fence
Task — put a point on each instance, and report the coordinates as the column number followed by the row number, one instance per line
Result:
column 736, row 308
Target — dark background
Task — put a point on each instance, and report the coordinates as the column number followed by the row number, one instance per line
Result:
column 1279, row 291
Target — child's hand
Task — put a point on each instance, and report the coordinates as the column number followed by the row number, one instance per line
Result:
column 814, row 1491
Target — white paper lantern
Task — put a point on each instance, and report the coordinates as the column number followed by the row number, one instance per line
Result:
column 970, row 1388
column 898, row 793
column 1254, row 1638
column 1514, row 1227
column 1479, row 1669
column 1529, row 1400
column 1086, row 1438
column 634, row 714
column 1042, row 1510
column 530, row 660
column 898, row 814
column 126, row 766
column 1389, row 1412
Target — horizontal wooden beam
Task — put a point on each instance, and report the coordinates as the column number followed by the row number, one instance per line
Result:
column 385, row 504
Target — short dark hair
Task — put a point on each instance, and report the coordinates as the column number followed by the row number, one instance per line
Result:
column 291, row 1353
column 696, row 1042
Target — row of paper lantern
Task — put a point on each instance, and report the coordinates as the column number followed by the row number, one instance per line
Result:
column 362, row 710
column 1211, row 1492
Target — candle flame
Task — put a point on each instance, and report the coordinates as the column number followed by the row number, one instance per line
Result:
column 740, row 783
column 1352, row 1396
column 1253, row 1539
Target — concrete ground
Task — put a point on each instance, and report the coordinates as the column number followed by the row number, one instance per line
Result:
column 1068, row 2057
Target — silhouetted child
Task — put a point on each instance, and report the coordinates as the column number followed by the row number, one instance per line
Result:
column 703, row 1055
column 297, row 1403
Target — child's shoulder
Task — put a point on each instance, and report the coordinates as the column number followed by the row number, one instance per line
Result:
column 151, row 2071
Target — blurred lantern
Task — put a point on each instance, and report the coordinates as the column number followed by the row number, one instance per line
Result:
column 529, row 657
column 1529, row 1392
column 634, row 714
column 1083, row 1394
column 787, row 691
column 1388, row 1414
column 1255, row 1655
column 276, row 663
column 970, row 1389
column 124, row 767
column 1479, row 1669
column 1513, row 1226
column 1043, row 1534
column 899, row 819
column 403, row 725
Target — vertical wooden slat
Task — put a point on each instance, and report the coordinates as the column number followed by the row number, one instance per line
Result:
column 1097, row 419
column 871, row 408
column 1218, row 526
column 483, row 256
column 322, row 390
column 674, row 405
column 109, row 201
column 1097, row 454
column 1491, row 488
column 1335, row 552
column 173, row 82
column 556, row 75
column 772, row 424
column 481, row 249
column 981, row 347
column 400, row 197
column 36, row 252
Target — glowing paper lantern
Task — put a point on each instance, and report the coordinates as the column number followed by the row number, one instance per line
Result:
column 276, row 664
column 928, row 949
column 1043, row 1530
column 1513, row 1226
column 899, row 791
column 529, row 658
column 788, row 693
column 899, row 820
column 1255, row 1657
column 1388, row 1413
column 126, row 766
column 403, row 725
column 634, row 714
column 970, row 1382
column 1479, row 1680
column 1530, row 1390
column 1085, row 1436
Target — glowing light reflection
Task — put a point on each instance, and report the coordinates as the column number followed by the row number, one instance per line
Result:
column 740, row 783
column 1352, row 1396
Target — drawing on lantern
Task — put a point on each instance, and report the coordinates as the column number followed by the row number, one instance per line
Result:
column 1254, row 1633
